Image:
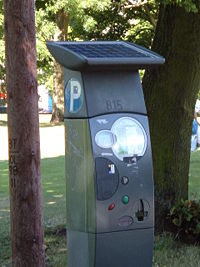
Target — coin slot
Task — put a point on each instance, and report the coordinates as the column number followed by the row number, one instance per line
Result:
column 141, row 210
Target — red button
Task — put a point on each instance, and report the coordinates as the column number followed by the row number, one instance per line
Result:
column 111, row 207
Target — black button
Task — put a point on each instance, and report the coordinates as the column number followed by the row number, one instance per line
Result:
column 124, row 180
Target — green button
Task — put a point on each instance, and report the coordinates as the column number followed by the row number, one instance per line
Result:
column 125, row 199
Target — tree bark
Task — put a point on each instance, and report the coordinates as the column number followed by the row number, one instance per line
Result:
column 62, row 21
column 58, row 94
column 170, row 93
column 23, row 130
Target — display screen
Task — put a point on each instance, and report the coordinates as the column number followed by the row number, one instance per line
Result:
column 127, row 138
column 131, row 138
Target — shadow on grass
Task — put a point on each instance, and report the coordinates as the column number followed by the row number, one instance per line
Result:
column 3, row 123
column 42, row 124
column 53, row 188
column 50, row 124
column 44, row 120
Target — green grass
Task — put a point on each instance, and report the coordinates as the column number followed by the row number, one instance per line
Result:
column 54, row 211
column 194, row 176
column 167, row 253
column 56, row 249
column 54, row 191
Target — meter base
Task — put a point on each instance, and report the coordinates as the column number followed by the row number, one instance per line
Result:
column 132, row 248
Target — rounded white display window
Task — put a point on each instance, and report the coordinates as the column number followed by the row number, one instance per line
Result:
column 105, row 139
column 131, row 138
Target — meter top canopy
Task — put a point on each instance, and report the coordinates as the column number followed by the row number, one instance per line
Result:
column 102, row 55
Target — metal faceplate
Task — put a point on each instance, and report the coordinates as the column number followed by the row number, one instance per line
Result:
column 97, row 93
column 124, row 184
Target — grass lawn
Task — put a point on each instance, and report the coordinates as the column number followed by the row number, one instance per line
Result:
column 194, row 176
column 167, row 252
column 53, row 185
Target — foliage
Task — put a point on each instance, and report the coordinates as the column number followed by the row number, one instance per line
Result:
column 91, row 20
column 185, row 217
column 189, row 5
column 44, row 31
column 112, row 21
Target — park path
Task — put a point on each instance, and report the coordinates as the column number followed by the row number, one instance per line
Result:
column 52, row 140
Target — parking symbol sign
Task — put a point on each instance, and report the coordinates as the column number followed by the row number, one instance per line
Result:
column 73, row 96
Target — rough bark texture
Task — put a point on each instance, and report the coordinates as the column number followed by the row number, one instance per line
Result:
column 62, row 20
column 23, row 126
column 58, row 94
column 170, row 93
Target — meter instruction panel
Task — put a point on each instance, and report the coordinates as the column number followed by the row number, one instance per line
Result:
column 122, row 183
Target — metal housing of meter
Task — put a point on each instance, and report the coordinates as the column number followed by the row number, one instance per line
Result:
column 110, row 197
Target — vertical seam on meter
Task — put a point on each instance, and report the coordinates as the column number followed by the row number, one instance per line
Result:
column 94, row 174
column 86, row 188
column 84, row 95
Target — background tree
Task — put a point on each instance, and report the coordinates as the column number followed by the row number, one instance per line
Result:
column 56, row 14
column 62, row 22
column 170, row 93
column 23, row 128
column 2, row 50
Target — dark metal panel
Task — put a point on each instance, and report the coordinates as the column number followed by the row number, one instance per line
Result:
column 113, row 92
column 80, row 249
column 125, row 249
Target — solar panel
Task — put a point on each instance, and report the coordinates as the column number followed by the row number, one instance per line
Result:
column 104, row 50
column 101, row 55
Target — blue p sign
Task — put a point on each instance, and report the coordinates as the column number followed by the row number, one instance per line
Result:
column 73, row 96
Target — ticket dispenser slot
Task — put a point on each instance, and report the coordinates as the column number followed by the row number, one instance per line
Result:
column 110, row 210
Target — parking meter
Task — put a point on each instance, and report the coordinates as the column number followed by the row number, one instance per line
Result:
column 110, row 197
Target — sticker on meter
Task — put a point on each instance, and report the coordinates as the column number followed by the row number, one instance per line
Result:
column 73, row 96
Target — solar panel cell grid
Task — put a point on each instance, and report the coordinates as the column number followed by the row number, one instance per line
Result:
column 104, row 50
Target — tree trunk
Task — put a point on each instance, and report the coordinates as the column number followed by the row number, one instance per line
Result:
column 58, row 94
column 62, row 20
column 170, row 93
column 23, row 128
